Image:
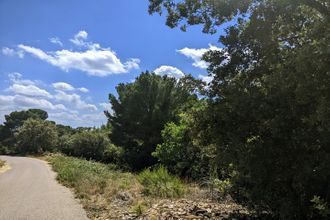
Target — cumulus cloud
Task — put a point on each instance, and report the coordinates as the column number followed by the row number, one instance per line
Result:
column 169, row 71
column 106, row 106
column 96, row 62
column 23, row 102
column 83, row 89
column 29, row 90
column 74, row 99
column 37, row 103
column 63, row 86
column 197, row 54
column 11, row 52
column 16, row 78
column 88, row 120
column 8, row 51
column 56, row 40
column 79, row 38
column 93, row 59
column 64, row 108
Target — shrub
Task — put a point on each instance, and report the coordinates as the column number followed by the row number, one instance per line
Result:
column 88, row 144
column 184, row 151
column 160, row 183
column 139, row 208
column 36, row 136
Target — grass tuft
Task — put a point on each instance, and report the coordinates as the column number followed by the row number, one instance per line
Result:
column 160, row 183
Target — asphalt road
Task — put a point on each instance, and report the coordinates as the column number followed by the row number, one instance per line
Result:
column 29, row 191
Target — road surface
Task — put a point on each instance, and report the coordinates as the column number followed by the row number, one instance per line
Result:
column 29, row 191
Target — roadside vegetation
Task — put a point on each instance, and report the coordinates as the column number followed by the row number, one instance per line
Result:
column 256, row 135
column 107, row 192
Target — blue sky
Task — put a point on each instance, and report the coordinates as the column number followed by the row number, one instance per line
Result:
column 66, row 56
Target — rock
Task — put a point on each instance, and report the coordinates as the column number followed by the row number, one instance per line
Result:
column 125, row 196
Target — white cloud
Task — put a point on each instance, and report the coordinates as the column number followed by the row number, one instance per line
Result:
column 169, row 71
column 206, row 79
column 96, row 62
column 21, row 102
column 83, row 89
column 62, row 107
column 63, row 86
column 79, row 38
column 88, row 120
column 37, row 103
column 29, row 90
column 106, row 106
column 68, row 87
column 197, row 54
column 11, row 52
column 8, row 51
column 75, row 100
column 56, row 40
column 16, row 78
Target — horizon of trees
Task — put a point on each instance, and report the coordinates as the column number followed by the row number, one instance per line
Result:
column 261, row 127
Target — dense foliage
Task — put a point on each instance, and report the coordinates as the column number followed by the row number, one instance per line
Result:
column 259, row 131
column 36, row 136
column 185, row 150
column 269, row 100
column 141, row 111
column 15, row 120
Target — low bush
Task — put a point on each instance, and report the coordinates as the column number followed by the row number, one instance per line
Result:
column 160, row 183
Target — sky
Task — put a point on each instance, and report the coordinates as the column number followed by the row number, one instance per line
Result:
column 65, row 57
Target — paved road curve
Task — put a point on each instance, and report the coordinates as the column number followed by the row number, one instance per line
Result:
column 29, row 191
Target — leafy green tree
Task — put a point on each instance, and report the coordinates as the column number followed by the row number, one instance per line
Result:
column 140, row 112
column 36, row 136
column 15, row 120
column 270, row 97
column 87, row 144
column 184, row 150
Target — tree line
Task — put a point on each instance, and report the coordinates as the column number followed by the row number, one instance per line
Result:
column 262, row 126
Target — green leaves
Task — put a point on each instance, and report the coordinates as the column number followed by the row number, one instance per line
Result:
column 141, row 110
column 268, row 112
column 36, row 136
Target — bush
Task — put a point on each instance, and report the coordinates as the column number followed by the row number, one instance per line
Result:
column 160, row 183
column 183, row 150
column 88, row 144
column 36, row 136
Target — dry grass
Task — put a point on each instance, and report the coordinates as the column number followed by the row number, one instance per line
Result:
column 100, row 187
column 108, row 193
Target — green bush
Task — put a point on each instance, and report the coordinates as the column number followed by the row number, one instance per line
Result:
column 88, row 144
column 36, row 136
column 184, row 151
column 160, row 183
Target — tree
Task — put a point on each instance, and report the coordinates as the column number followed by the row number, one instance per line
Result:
column 15, row 120
column 140, row 113
column 184, row 150
column 269, row 100
column 88, row 144
column 36, row 136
